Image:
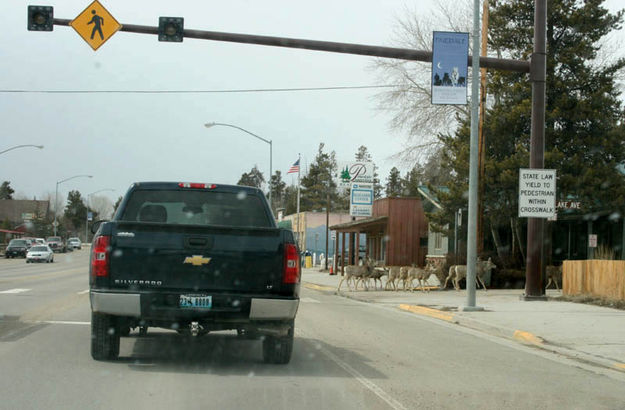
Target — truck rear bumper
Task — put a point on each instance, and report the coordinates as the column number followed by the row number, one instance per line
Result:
column 129, row 304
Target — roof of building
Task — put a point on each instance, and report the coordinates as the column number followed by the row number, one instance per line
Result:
column 360, row 224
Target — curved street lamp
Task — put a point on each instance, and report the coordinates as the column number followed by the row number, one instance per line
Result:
column 87, row 217
column 56, row 195
column 21, row 146
column 212, row 124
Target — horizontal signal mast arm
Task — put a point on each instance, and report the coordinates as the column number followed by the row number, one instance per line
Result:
column 329, row 46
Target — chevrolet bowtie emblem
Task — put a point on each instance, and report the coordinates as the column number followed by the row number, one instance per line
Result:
column 197, row 260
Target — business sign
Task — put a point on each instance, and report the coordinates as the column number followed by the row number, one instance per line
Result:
column 95, row 25
column 361, row 200
column 354, row 172
column 450, row 56
column 28, row 216
column 537, row 193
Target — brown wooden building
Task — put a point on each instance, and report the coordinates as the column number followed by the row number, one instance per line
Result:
column 396, row 234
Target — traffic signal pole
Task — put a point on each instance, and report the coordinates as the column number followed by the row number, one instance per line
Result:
column 536, row 67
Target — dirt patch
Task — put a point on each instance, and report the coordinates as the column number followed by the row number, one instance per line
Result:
column 591, row 300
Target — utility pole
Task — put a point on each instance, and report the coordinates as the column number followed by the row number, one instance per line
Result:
column 481, row 137
column 327, row 224
column 538, row 74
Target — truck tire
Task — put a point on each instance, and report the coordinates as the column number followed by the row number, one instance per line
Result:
column 278, row 350
column 104, row 337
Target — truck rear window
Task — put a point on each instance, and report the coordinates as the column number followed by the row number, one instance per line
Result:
column 197, row 208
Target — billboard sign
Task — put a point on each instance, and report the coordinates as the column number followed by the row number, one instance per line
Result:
column 361, row 200
column 537, row 193
column 450, row 56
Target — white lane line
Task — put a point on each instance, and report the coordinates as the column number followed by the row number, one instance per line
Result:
column 16, row 290
column 309, row 300
column 82, row 292
column 62, row 322
column 374, row 388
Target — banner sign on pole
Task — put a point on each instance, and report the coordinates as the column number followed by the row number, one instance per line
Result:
column 361, row 200
column 537, row 193
column 450, row 57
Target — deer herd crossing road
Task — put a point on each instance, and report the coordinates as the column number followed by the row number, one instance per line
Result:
column 347, row 355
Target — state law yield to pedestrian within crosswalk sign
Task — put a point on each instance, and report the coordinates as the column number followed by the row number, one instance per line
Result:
column 95, row 25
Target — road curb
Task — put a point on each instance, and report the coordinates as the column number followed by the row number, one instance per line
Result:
column 515, row 335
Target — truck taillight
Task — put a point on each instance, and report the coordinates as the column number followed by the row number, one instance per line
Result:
column 100, row 256
column 291, row 264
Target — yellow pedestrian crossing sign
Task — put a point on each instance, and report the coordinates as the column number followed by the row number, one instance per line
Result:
column 95, row 25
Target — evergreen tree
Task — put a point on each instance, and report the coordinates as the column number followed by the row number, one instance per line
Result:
column 394, row 186
column 277, row 186
column 6, row 192
column 119, row 201
column 318, row 181
column 75, row 210
column 254, row 178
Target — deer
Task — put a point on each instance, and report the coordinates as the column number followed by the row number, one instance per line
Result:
column 421, row 274
column 403, row 276
column 355, row 273
column 393, row 276
column 553, row 273
column 457, row 272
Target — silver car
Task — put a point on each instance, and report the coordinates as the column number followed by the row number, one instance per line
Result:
column 40, row 253
column 74, row 243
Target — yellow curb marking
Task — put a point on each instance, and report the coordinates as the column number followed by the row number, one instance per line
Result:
column 527, row 337
column 435, row 313
column 620, row 366
column 317, row 287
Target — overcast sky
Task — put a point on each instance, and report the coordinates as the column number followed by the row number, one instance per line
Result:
column 122, row 138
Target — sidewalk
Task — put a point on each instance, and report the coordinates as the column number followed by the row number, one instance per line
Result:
column 584, row 332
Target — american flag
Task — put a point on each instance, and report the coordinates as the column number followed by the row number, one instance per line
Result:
column 294, row 167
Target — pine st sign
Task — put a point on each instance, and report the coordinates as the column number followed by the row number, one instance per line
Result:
column 537, row 193
column 354, row 172
column 95, row 25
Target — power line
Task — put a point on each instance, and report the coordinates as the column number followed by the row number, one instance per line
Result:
column 248, row 90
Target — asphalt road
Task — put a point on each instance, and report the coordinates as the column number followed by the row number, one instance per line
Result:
column 347, row 355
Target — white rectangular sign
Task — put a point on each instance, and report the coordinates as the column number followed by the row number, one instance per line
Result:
column 592, row 240
column 361, row 200
column 537, row 193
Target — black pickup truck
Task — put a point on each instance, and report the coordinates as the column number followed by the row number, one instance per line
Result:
column 194, row 258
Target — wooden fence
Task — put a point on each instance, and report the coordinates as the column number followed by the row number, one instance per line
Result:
column 604, row 278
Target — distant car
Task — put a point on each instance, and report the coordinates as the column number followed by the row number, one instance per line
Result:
column 56, row 244
column 40, row 253
column 40, row 241
column 17, row 247
column 74, row 243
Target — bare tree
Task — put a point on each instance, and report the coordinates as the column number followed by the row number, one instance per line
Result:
column 410, row 98
column 102, row 205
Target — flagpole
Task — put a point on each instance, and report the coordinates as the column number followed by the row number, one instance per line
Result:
column 298, row 172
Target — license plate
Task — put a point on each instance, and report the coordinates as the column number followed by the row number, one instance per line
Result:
column 196, row 301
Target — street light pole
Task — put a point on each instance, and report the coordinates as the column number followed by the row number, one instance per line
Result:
column 56, row 195
column 212, row 124
column 21, row 146
column 87, row 216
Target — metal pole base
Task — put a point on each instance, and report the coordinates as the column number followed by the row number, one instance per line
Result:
column 470, row 309
column 527, row 298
